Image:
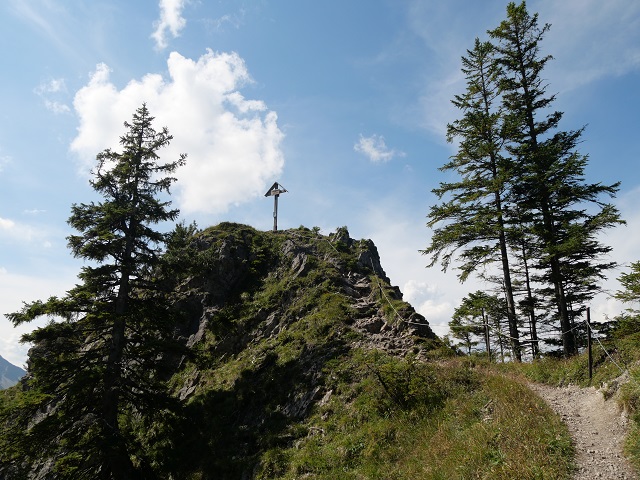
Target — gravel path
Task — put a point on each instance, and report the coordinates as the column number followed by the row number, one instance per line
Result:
column 597, row 428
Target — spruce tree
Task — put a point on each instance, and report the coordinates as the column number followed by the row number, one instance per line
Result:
column 97, row 368
column 566, row 212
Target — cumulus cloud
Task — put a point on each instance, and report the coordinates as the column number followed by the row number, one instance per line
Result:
column 428, row 301
column 232, row 143
column 375, row 149
column 171, row 21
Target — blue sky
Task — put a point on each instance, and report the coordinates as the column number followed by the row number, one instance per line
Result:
column 345, row 103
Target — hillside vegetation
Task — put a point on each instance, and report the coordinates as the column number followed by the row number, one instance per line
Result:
column 302, row 361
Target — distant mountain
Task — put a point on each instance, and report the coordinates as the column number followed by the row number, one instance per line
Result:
column 9, row 374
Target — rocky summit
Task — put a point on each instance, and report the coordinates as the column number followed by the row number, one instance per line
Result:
column 258, row 286
column 272, row 316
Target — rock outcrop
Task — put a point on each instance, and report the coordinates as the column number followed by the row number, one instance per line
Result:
column 255, row 289
column 295, row 264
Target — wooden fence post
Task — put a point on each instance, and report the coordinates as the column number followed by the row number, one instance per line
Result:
column 485, row 321
column 589, row 343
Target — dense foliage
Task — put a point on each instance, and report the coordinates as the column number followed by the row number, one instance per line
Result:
column 99, row 366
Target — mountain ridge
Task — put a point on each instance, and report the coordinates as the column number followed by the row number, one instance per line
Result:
column 10, row 374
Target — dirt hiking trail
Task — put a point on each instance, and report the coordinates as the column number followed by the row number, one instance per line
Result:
column 597, row 428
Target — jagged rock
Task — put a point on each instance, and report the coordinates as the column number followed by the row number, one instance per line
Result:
column 372, row 325
column 197, row 336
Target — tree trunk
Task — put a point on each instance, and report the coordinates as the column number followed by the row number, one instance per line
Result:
column 119, row 461
column 514, row 335
column 535, row 348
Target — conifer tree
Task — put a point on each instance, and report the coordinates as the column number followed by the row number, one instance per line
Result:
column 468, row 321
column 549, row 181
column 472, row 218
column 629, row 322
column 98, row 366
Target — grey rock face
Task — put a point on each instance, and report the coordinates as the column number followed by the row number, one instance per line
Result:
column 9, row 374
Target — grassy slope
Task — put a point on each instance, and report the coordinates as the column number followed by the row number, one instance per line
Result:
column 394, row 419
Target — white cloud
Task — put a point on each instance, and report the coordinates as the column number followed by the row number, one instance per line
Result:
column 34, row 211
column 233, row 144
column 375, row 149
column 12, row 290
column 171, row 21
column 430, row 302
column 9, row 229
column 235, row 20
column 57, row 107
column 22, row 234
column 50, row 88
column 6, row 225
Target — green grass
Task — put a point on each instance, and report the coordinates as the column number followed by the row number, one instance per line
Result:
column 397, row 419
column 629, row 399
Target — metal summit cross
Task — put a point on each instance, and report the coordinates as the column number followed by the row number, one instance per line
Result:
column 275, row 191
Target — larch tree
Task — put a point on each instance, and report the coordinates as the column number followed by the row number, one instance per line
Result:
column 630, row 283
column 470, row 223
column 566, row 212
column 98, row 366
